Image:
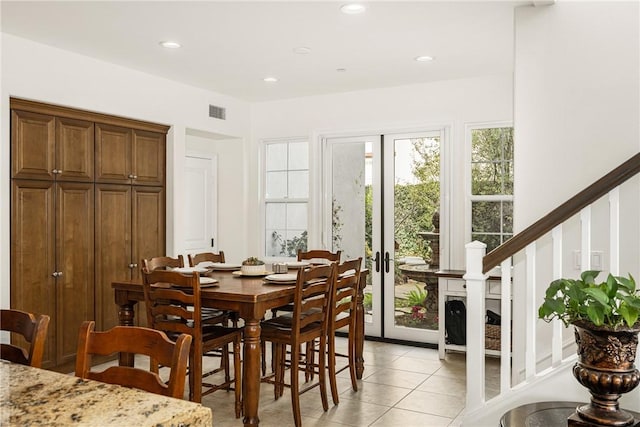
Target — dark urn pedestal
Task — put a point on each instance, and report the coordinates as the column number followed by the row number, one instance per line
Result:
column 606, row 367
column 547, row 414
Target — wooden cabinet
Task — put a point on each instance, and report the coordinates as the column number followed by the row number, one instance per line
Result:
column 130, row 214
column 47, row 147
column 129, row 156
column 87, row 203
column 52, row 259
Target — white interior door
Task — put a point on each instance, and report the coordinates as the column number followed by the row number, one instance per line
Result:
column 201, row 209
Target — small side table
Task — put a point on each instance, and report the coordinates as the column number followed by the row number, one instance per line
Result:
column 545, row 414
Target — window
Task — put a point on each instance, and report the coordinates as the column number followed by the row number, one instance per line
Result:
column 491, row 185
column 286, row 196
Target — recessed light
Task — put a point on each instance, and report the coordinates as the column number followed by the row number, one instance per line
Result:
column 170, row 44
column 341, row 70
column 424, row 58
column 302, row 50
column 270, row 79
column 352, row 8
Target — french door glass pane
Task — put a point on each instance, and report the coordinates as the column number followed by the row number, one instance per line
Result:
column 416, row 204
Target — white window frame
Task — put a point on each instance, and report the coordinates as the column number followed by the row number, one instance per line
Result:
column 469, row 127
column 263, row 200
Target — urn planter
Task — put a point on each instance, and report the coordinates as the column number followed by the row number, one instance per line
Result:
column 606, row 366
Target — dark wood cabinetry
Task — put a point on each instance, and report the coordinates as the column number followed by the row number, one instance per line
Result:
column 74, row 229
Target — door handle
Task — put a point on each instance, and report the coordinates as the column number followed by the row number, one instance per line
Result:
column 377, row 261
column 386, row 262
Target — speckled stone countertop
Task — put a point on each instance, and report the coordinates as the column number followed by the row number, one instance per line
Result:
column 31, row 396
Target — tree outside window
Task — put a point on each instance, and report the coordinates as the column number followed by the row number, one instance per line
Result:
column 492, row 185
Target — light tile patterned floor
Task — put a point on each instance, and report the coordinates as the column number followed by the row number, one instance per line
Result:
column 401, row 386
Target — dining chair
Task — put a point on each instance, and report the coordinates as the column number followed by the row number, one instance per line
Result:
column 28, row 327
column 196, row 259
column 343, row 314
column 163, row 263
column 205, row 256
column 135, row 340
column 307, row 322
column 209, row 315
column 174, row 306
column 319, row 256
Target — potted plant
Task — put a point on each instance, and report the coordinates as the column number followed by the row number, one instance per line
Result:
column 605, row 317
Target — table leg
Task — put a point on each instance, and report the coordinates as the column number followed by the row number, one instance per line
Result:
column 125, row 318
column 251, row 366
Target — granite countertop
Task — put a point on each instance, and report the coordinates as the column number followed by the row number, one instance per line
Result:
column 31, row 396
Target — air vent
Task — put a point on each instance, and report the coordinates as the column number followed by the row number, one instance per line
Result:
column 217, row 112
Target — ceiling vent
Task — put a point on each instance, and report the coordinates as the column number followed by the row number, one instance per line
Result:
column 217, row 112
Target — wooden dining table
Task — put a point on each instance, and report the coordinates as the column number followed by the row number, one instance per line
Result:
column 251, row 297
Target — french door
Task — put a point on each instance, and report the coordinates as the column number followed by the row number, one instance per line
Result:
column 383, row 199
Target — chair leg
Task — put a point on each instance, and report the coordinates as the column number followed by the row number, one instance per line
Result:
column 225, row 364
column 295, row 389
column 195, row 376
column 322, row 372
column 332, row 370
column 352, row 361
column 237, row 372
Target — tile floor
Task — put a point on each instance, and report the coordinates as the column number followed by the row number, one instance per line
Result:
column 401, row 386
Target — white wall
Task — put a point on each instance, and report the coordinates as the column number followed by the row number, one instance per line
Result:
column 576, row 108
column 577, row 116
column 43, row 73
column 452, row 103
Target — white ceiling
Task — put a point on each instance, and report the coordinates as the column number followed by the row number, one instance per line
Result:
column 229, row 47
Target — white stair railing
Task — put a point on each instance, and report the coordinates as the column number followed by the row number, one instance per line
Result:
column 534, row 269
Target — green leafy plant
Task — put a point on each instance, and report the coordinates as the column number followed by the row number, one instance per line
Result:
column 416, row 297
column 611, row 303
column 252, row 261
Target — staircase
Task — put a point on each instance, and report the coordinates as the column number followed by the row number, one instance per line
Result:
column 597, row 229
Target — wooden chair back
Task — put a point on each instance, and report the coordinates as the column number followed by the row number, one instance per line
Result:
column 345, row 293
column 205, row 256
column 162, row 262
column 313, row 295
column 319, row 254
column 172, row 300
column 32, row 328
column 135, row 340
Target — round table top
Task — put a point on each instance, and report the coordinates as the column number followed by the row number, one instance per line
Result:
column 542, row 414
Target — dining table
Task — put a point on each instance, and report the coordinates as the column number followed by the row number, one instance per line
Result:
column 251, row 297
column 32, row 396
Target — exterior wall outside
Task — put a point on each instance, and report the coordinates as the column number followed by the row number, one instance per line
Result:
column 43, row 73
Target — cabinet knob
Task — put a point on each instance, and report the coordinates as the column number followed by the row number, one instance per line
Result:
column 54, row 274
column 133, row 176
column 55, row 171
column 132, row 266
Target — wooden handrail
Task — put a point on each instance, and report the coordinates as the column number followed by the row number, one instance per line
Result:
column 563, row 212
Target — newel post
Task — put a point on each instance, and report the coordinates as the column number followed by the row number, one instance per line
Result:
column 475, row 283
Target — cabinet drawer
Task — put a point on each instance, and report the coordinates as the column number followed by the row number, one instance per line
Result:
column 456, row 285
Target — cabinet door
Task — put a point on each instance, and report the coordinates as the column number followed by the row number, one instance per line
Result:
column 33, row 286
column 33, row 144
column 148, row 228
column 148, row 158
column 74, row 263
column 74, row 150
column 113, row 154
column 112, row 249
